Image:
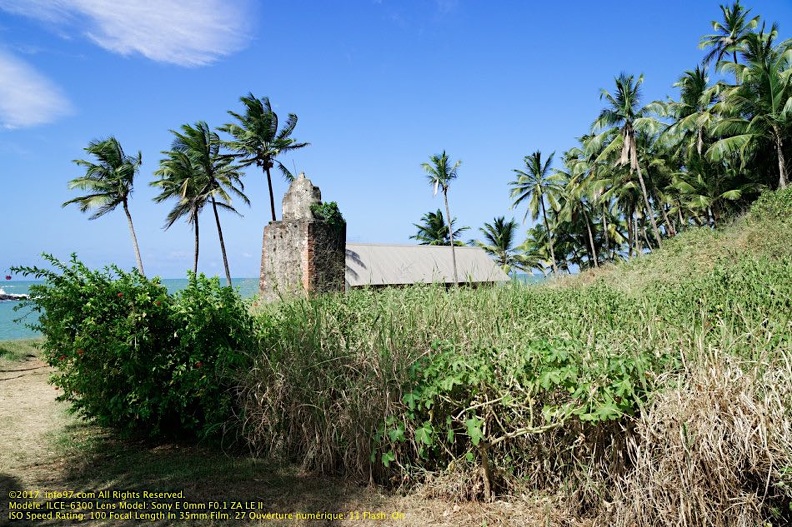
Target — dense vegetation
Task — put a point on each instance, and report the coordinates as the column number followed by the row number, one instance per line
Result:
column 660, row 384
column 133, row 357
column 651, row 391
column 646, row 171
column 551, row 387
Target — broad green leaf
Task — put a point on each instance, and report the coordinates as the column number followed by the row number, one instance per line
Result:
column 474, row 431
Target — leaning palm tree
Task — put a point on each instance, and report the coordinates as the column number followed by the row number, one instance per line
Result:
column 257, row 140
column 213, row 177
column 536, row 184
column 440, row 173
column 109, row 183
column 433, row 230
column 625, row 114
column 498, row 242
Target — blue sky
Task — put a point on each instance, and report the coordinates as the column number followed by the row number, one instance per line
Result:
column 378, row 86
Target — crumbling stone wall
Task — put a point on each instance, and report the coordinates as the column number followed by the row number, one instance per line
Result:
column 301, row 255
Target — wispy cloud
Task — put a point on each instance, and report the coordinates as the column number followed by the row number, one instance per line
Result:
column 193, row 33
column 27, row 98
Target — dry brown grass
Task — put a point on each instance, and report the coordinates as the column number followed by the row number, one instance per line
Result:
column 716, row 451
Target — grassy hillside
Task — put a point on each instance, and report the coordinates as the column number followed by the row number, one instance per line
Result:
column 658, row 388
column 766, row 231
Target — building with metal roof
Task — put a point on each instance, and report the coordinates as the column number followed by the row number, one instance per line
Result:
column 380, row 265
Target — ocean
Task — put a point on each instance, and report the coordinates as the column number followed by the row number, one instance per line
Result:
column 10, row 329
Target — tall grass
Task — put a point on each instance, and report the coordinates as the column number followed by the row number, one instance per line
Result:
column 475, row 393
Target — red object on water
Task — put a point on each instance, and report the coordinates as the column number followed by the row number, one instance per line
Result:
column 8, row 277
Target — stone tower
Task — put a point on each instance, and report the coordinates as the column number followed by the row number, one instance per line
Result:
column 301, row 254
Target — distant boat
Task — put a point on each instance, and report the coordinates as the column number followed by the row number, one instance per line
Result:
column 11, row 296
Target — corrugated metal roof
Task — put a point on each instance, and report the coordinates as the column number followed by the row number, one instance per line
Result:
column 375, row 264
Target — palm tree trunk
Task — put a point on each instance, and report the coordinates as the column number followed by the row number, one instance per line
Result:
column 197, row 238
column 605, row 232
column 669, row 225
column 649, row 209
column 222, row 243
column 549, row 237
column 451, row 235
column 645, row 236
column 591, row 240
column 637, row 236
column 782, row 173
column 272, row 196
column 134, row 239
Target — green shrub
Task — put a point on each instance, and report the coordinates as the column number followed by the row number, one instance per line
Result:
column 328, row 212
column 135, row 358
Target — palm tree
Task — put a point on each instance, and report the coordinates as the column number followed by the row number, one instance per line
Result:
column 499, row 242
column 693, row 114
column 532, row 253
column 576, row 209
column 109, row 183
column 257, row 140
column 759, row 109
column 536, row 184
column 213, row 177
column 434, row 231
column 178, row 179
column 626, row 114
column 730, row 35
column 440, row 173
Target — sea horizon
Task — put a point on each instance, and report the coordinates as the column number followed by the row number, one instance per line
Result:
column 10, row 329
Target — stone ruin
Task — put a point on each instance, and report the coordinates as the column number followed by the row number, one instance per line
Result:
column 300, row 254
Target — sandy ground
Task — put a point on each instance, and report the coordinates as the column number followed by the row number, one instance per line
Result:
column 29, row 415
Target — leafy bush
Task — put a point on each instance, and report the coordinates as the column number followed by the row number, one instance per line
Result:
column 135, row 358
column 328, row 212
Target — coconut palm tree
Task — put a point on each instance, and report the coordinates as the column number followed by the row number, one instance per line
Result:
column 499, row 237
column 536, row 184
column 178, row 179
column 759, row 109
column 625, row 114
column 532, row 253
column 440, row 172
column 434, row 231
column 730, row 35
column 213, row 176
column 109, row 183
column 575, row 209
column 693, row 114
column 257, row 139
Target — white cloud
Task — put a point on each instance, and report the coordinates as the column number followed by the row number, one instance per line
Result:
column 26, row 97
column 192, row 33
